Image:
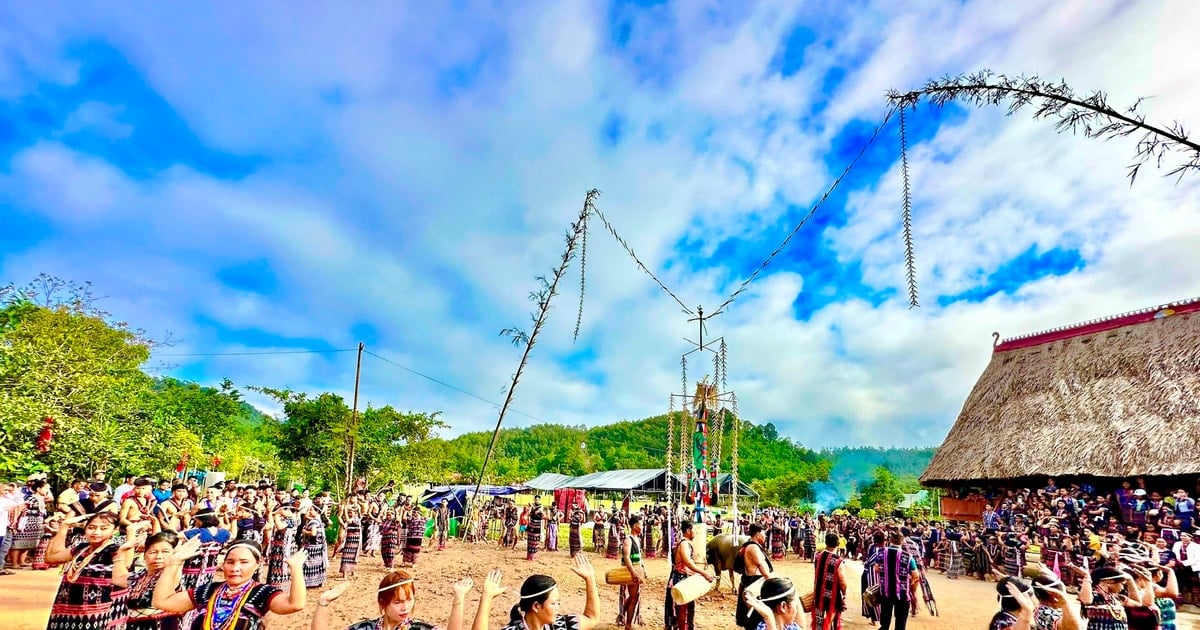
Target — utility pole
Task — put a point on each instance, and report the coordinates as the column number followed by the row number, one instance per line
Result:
column 352, row 438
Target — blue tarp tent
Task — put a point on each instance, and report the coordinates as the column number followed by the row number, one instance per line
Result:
column 456, row 496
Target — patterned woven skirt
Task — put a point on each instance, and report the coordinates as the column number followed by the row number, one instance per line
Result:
column 597, row 537
column 30, row 534
column 575, row 540
column 412, row 544
column 389, row 544
column 39, row 554
column 552, row 536
column 316, row 566
column 350, row 549
column 612, row 551
column 533, row 540
column 278, row 573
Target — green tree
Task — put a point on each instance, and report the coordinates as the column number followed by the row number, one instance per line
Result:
column 66, row 362
column 883, row 493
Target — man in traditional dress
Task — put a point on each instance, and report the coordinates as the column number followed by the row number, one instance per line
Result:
column 896, row 574
column 629, row 602
column 533, row 533
column 683, row 565
column 829, row 587
column 753, row 564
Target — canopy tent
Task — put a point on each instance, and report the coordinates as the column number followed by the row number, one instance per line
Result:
column 630, row 479
column 456, row 496
column 1128, row 384
column 549, row 481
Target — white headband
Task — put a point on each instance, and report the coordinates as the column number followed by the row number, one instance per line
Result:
column 540, row 593
column 779, row 596
column 400, row 583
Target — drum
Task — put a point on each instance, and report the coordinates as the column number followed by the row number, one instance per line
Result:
column 808, row 600
column 690, row 589
column 619, row 576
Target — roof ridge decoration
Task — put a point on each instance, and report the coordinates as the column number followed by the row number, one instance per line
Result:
column 1091, row 326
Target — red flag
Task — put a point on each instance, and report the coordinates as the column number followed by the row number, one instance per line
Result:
column 46, row 435
column 182, row 465
column 216, row 461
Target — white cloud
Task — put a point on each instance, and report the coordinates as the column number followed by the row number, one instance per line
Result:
column 425, row 210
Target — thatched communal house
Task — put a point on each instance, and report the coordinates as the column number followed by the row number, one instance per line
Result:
column 1113, row 398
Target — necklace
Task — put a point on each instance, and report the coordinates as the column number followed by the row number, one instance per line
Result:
column 80, row 562
column 223, row 609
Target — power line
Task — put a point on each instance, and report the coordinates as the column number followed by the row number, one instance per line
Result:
column 250, row 353
column 449, row 386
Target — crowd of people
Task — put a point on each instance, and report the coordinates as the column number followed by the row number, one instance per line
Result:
column 146, row 555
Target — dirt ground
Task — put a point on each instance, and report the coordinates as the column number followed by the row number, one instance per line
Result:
column 964, row 603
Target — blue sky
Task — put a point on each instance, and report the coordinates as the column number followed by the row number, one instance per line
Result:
column 275, row 178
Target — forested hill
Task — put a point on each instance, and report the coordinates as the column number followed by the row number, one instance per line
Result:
column 773, row 464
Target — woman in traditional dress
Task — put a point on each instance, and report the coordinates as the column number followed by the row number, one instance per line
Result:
column 239, row 602
column 249, row 523
column 629, row 600
column 540, row 600
column 396, row 597
column 510, row 527
column 416, row 536
column 200, row 568
column 776, row 606
column 778, row 536
column 553, row 516
column 283, row 545
column 389, row 537
column 349, row 540
column 810, row 539
column 312, row 536
column 86, row 595
column 954, row 556
column 649, row 524
column 140, row 583
column 370, row 526
column 575, row 536
column 615, row 535
column 675, row 616
column 598, row 531
column 1014, row 554
column 441, row 524
column 533, row 532
column 31, row 526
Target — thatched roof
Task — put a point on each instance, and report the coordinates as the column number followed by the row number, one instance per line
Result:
column 1116, row 397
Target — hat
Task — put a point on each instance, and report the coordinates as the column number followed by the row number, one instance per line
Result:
column 1139, row 493
column 36, row 477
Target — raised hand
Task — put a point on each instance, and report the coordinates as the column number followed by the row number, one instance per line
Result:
column 1024, row 600
column 333, row 593
column 295, row 562
column 492, row 585
column 188, row 549
column 582, row 567
column 462, row 587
